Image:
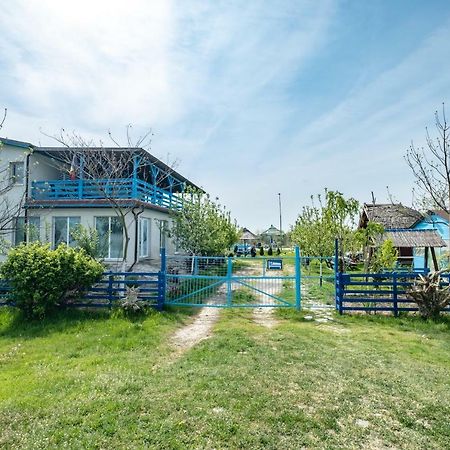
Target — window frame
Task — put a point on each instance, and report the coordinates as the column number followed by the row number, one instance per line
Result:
column 108, row 257
column 13, row 172
column 146, row 252
column 67, row 241
column 26, row 232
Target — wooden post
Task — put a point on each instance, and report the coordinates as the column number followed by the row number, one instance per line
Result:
column 395, row 293
column 110, row 289
column 433, row 255
column 162, row 282
column 426, row 258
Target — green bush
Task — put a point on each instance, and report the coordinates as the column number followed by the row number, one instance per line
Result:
column 43, row 279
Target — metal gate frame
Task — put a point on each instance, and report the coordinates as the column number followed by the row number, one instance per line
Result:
column 221, row 287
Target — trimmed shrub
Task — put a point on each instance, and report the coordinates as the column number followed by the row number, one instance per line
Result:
column 270, row 251
column 43, row 279
column 261, row 251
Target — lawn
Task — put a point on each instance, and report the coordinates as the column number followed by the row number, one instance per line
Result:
column 86, row 380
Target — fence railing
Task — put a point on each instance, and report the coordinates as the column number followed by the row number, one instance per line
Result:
column 111, row 288
column 119, row 188
column 386, row 292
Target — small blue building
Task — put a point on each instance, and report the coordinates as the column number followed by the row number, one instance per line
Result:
column 436, row 220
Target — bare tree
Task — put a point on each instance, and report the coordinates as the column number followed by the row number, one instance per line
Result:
column 9, row 211
column 104, row 167
column 431, row 166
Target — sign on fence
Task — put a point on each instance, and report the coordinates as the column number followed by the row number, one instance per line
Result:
column 274, row 264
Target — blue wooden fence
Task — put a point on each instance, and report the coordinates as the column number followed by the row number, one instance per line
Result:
column 111, row 288
column 377, row 291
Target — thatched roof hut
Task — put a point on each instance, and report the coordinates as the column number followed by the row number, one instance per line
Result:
column 390, row 215
column 247, row 235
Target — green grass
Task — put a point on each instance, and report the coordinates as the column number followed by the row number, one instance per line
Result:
column 85, row 380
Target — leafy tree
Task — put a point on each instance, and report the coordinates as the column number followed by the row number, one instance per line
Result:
column 202, row 226
column 385, row 257
column 365, row 237
column 319, row 225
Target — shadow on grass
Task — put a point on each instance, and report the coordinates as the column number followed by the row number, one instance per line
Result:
column 14, row 324
column 405, row 322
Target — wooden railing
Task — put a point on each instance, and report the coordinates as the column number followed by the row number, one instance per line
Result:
column 119, row 188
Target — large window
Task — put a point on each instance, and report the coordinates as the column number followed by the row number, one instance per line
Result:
column 110, row 231
column 63, row 228
column 28, row 233
column 144, row 237
column 17, row 172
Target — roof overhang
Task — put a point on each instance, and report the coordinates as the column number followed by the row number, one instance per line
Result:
column 408, row 238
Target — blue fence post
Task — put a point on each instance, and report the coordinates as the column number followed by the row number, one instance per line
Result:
column 162, row 281
column 229, row 280
column 298, row 286
column 336, row 273
column 110, row 288
column 395, row 293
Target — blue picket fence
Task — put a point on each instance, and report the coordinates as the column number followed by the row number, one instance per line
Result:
column 110, row 289
column 383, row 292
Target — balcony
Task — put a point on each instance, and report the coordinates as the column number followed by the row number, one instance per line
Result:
column 77, row 192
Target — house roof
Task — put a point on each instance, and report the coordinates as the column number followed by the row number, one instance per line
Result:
column 272, row 231
column 389, row 215
column 247, row 235
column 413, row 238
column 439, row 212
column 61, row 154
column 15, row 143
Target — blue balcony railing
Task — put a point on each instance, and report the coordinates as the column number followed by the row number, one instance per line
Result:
column 119, row 188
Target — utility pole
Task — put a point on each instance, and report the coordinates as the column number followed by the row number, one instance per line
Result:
column 279, row 204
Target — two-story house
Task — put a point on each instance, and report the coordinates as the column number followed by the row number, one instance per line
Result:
column 126, row 194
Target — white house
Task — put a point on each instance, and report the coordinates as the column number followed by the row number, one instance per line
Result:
column 45, row 192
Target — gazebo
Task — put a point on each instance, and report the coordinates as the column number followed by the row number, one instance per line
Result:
column 271, row 233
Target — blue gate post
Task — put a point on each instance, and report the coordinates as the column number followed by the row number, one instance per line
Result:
column 162, row 282
column 337, row 278
column 298, row 286
column 229, row 280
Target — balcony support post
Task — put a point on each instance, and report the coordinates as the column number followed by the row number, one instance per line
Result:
column 80, row 178
column 134, row 189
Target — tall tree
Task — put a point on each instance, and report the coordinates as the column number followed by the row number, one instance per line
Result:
column 318, row 226
column 202, row 226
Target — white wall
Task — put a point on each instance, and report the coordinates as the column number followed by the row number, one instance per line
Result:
column 87, row 216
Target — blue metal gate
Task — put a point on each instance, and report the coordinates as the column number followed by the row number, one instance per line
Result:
column 233, row 282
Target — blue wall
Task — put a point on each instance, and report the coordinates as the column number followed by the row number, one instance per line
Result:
column 431, row 222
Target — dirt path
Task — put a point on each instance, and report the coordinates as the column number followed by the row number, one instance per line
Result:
column 201, row 328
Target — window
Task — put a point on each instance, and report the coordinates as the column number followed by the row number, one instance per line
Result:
column 110, row 231
column 30, row 233
column 63, row 228
column 17, row 172
column 144, row 237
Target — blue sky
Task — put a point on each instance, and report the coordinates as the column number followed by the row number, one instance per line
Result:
column 251, row 97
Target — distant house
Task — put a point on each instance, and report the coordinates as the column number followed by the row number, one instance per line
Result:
column 46, row 193
column 402, row 226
